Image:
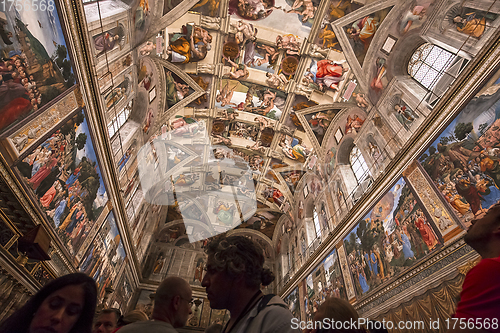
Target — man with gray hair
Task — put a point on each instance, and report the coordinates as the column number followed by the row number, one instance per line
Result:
column 172, row 308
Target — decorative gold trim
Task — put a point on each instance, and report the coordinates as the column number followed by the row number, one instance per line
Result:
column 464, row 269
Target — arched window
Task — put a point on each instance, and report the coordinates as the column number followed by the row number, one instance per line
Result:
column 435, row 69
column 119, row 120
column 358, row 165
column 429, row 63
column 317, row 225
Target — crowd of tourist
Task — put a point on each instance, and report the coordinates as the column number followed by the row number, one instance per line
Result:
column 234, row 275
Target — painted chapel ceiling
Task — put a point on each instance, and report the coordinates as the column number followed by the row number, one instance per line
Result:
column 232, row 105
column 230, row 114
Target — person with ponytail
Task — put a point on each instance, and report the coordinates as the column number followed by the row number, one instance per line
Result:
column 234, row 275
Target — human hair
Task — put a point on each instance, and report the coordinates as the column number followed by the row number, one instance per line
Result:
column 238, row 255
column 134, row 316
column 339, row 310
column 493, row 210
column 214, row 328
column 20, row 321
column 117, row 313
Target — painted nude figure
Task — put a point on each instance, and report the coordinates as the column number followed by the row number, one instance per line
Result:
column 276, row 80
column 289, row 43
column 308, row 9
column 240, row 70
column 270, row 54
column 225, row 95
column 246, row 32
column 267, row 102
column 263, row 122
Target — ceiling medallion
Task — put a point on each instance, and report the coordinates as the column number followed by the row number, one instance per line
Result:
column 289, row 65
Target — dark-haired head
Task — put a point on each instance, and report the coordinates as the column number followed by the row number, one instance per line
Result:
column 238, row 255
column 21, row 320
column 108, row 320
column 484, row 232
column 337, row 310
column 134, row 316
column 214, row 328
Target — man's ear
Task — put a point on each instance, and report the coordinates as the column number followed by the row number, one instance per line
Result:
column 176, row 302
column 496, row 230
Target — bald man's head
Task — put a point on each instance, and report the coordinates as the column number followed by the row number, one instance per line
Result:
column 173, row 301
column 171, row 287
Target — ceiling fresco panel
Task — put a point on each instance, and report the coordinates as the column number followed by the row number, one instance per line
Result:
column 292, row 178
column 409, row 23
column 36, row 67
column 179, row 50
column 63, row 175
column 250, row 97
column 176, row 89
column 392, row 236
column 325, row 75
column 207, row 7
column 294, row 17
column 105, row 256
column 240, row 116
column 146, row 106
column 294, row 149
column 263, row 221
column 362, row 31
column 462, row 160
column 205, row 82
column 319, row 122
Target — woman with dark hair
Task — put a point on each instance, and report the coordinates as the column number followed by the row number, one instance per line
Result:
column 64, row 305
